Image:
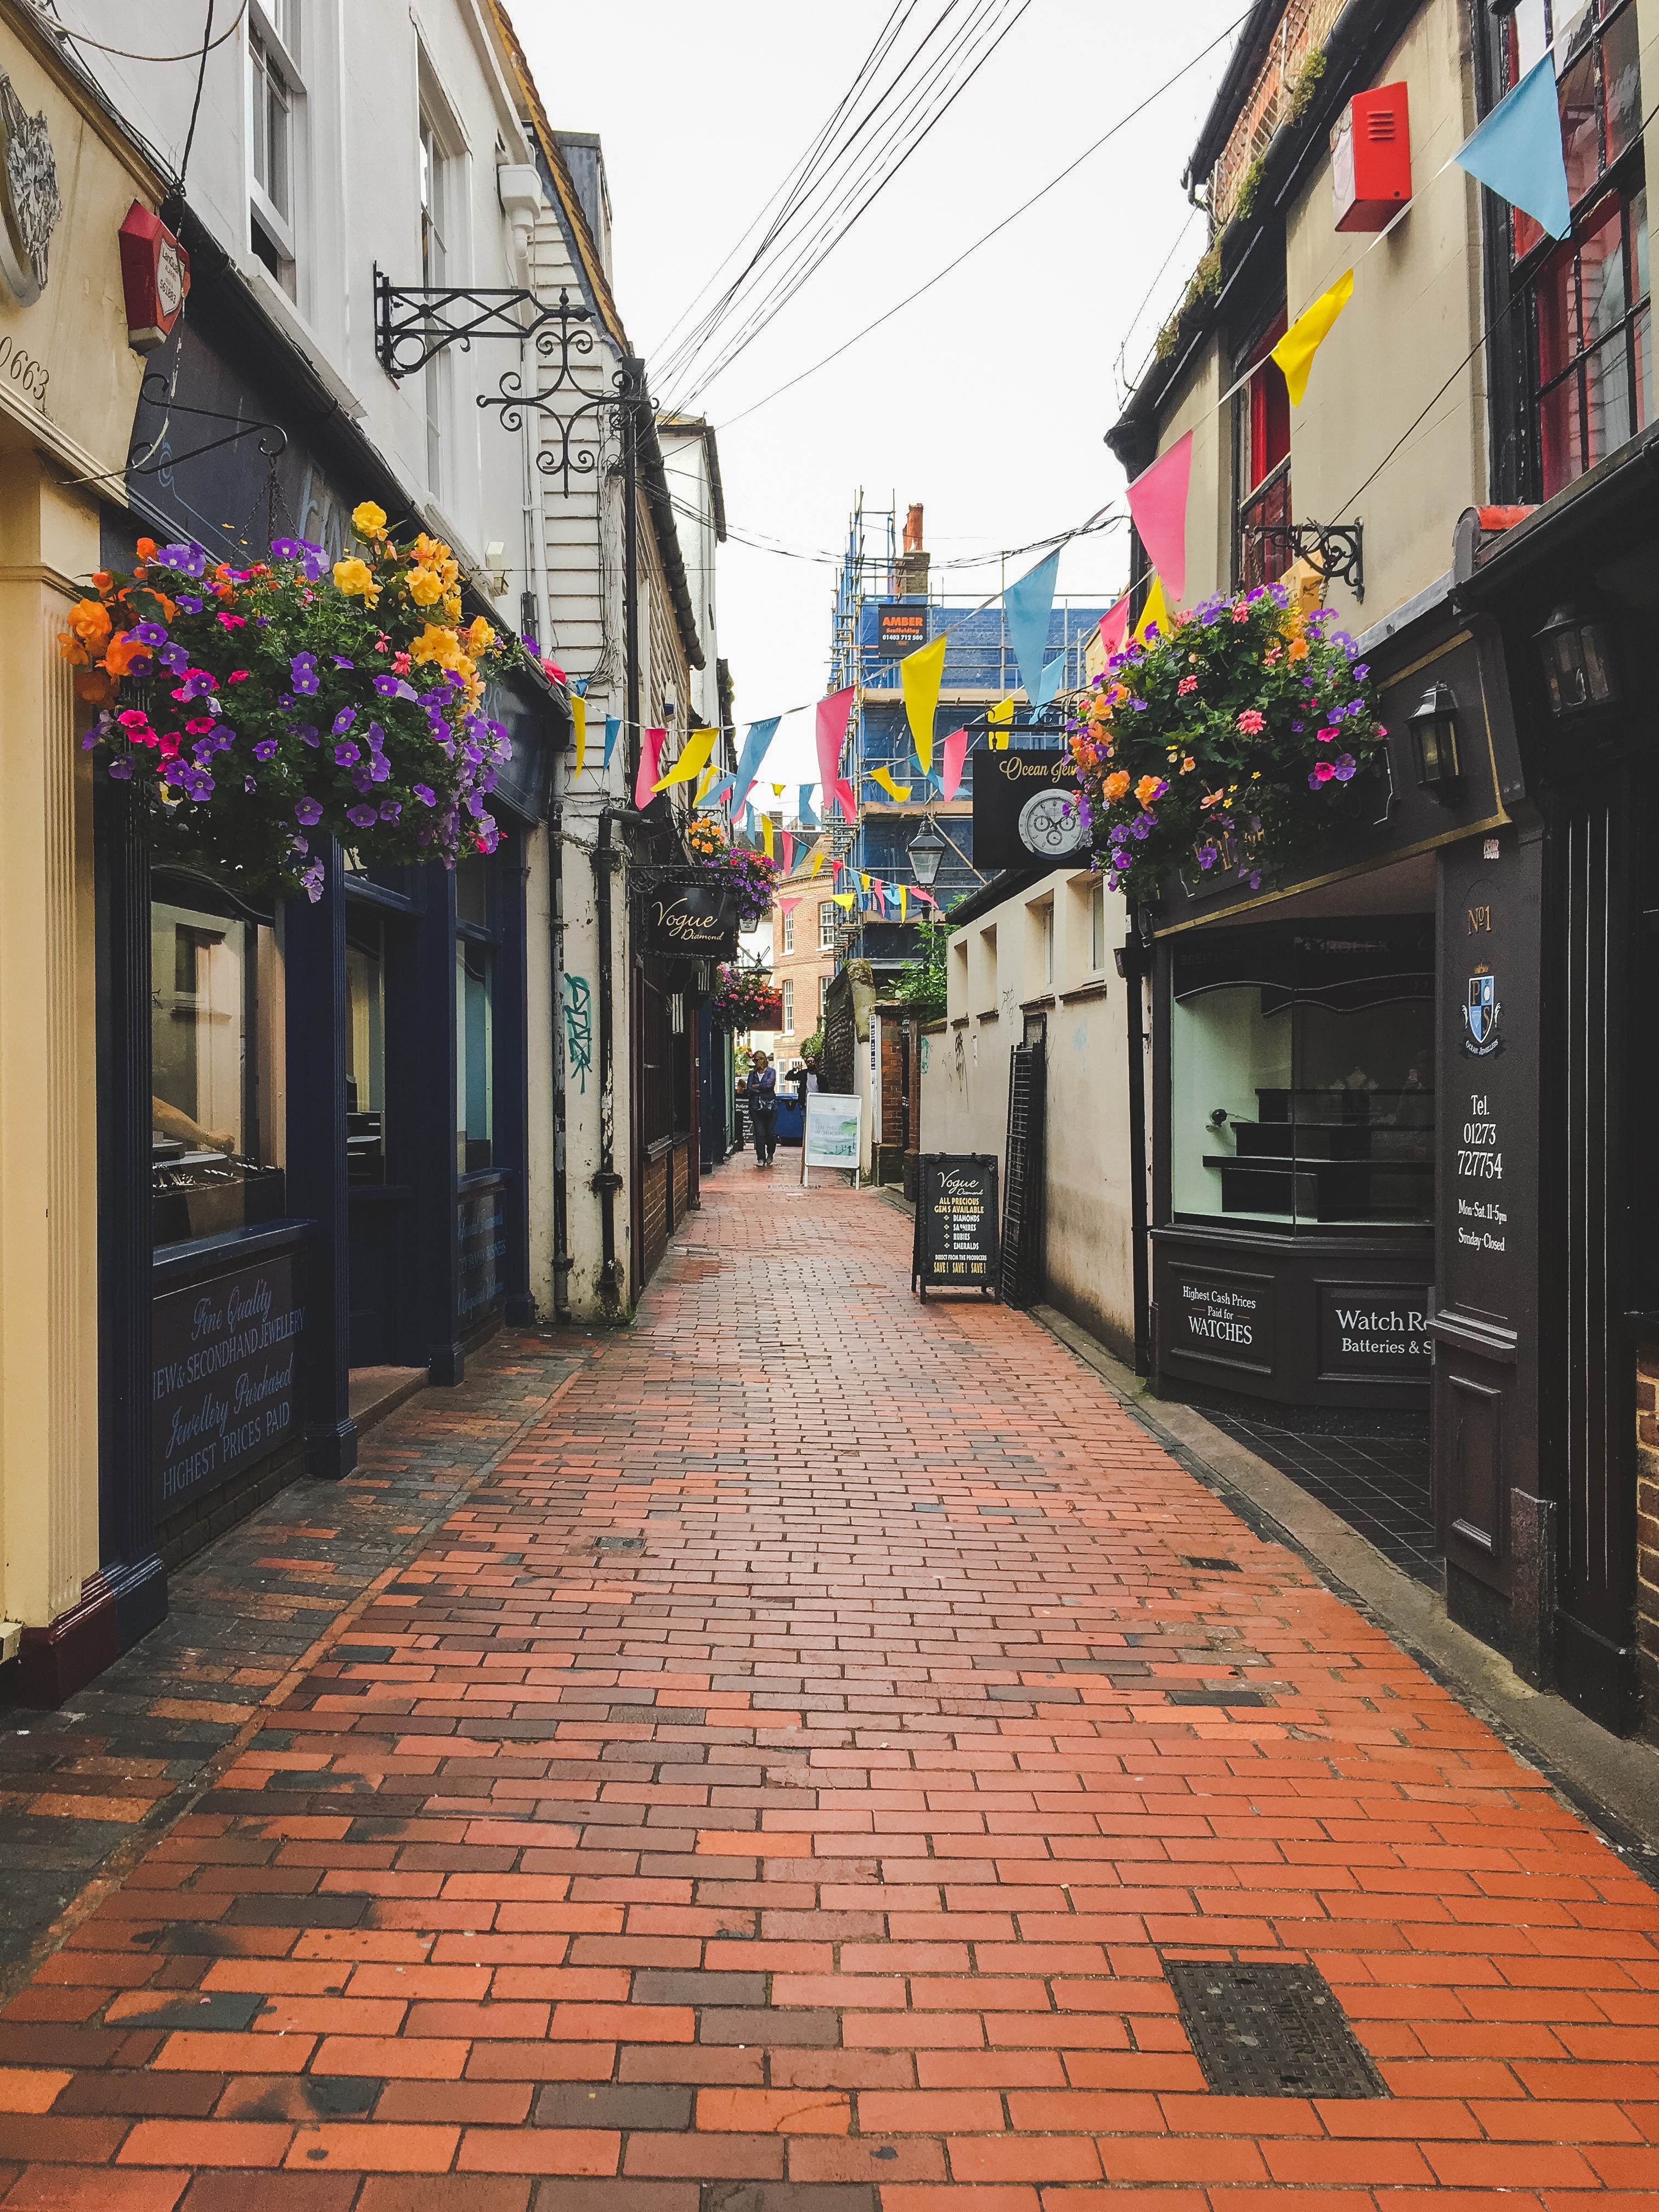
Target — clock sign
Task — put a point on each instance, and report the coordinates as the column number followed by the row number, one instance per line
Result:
column 1027, row 807
column 1051, row 825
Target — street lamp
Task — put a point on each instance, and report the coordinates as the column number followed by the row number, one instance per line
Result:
column 926, row 850
column 1435, row 755
column 1577, row 658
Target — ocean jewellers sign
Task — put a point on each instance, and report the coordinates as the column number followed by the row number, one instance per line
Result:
column 224, row 1378
column 1026, row 808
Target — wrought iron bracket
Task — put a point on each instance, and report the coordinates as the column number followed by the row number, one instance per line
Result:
column 415, row 323
column 1336, row 549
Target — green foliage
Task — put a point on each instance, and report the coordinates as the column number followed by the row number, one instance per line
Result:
column 1249, row 185
column 921, row 981
column 812, row 1048
column 1307, row 83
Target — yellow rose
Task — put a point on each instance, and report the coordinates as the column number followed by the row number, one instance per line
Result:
column 368, row 520
column 424, row 588
column 357, row 580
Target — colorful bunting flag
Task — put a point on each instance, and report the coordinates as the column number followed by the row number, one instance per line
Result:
column 612, row 724
column 1157, row 504
column 920, row 674
column 956, row 753
column 1000, row 718
column 718, row 790
column 694, row 758
column 808, row 819
column 754, row 744
column 1295, row 351
column 1027, row 606
column 788, row 853
column 883, row 777
column 1155, row 615
column 832, row 717
column 904, row 901
column 843, row 898
column 1517, row 151
column 788, row 906
column 702, row 790
column 650, row 756
column 818, row 860
column 578, row 720
column 1114, row 626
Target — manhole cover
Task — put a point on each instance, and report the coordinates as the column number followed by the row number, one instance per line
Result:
column 1210, row 1567
column 1271, row 2032
column 619, row 1544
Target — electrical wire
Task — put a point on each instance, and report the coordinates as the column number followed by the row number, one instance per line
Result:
column 897, row 122
column 996, row 230
column 195, row 106
column 905, row 131
column 130, row 54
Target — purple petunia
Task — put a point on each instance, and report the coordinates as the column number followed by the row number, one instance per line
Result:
column 149, row 633
column 344, row 755
column 391, row 809
column 121, row 770
column 364, row 816
column 265, row 749
column 425, row 793
column 307, row 812
column 340, row 660
column 1362, row 668
column 1120, row 859
column 248, row 784
column 344, row 721
column 1347, row 768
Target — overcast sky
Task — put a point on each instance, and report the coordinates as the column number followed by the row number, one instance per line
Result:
column 986, row 399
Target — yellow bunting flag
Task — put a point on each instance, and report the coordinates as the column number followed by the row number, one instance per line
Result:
column 708, row 776
column 883, row 777
column 843, row 898
column 1156, row 610
column 766, row 834
column 694, row 758
column 578, row 716
column 904, row 900
column 1000, row 720
column 818, row 860
column 864, row 883
column 920, row 674
column 1295, row 351
column 778, row 790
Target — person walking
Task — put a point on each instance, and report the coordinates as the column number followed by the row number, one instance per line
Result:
column 760, row 1091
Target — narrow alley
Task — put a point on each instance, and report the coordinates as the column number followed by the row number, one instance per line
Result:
column 793, row 1778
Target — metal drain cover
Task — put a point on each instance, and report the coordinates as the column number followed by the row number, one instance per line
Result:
column 1210, row 1567
column 1271, row 2032
column 619, row 1544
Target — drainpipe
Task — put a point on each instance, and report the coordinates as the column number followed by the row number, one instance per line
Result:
column 556, row 970
column 607, row 1182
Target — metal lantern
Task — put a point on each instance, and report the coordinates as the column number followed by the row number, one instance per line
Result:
column 1577, row 658
column 1434, row 753
column 926, row 849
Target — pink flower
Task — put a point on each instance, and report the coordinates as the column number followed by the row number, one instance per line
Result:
column 1251, row 722
column 234, row 622
column 1325, row 735
column 1187, row 684
column 240, row 675
column 1321, row 773
column 1240, row 612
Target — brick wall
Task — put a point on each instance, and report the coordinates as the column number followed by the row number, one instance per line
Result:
column 1647, row 1535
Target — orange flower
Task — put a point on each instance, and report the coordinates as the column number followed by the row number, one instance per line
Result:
column 122, row 654
column 1297, row 649
column 146, row 548
column 1117, row 786
column 102, row 578
column 90, row 621
column 94, row 687
column 1148, row 788
column 72, row 649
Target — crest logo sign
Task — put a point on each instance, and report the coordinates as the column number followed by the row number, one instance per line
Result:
column 1481, row 1010
column 29, row 203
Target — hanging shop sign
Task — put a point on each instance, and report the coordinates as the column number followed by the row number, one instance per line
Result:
column 899, row 628
column 154, row 278
column 834, row 1131
column 480, row 1246
column 1026, row 808
column 692, row 921
column 955, row 1234
column 223, row 1392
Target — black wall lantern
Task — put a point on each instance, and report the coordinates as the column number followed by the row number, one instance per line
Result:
column 1435, row 755
column 1577, row 658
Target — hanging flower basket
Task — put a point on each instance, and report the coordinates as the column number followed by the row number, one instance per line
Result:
column 751, row 875
column 745, row 999
column 258, row 710
column 1229, row 746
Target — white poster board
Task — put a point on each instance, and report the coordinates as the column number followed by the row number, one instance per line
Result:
column 834, row 1127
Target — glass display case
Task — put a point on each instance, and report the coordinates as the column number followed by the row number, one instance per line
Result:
column 1302, row 1074
column 217, row 1010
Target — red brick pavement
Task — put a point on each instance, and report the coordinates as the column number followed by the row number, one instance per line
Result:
column 826, row 1853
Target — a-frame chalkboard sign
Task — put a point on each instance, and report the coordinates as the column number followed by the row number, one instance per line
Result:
column 955, row 1238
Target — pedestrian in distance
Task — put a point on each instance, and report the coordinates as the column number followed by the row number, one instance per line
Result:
column 761, row 1090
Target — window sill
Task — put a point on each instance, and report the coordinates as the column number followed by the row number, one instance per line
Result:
column 207, row 1255
column 278, row 308
column 996, row 1015
column 1036, row 1006
column 1096, row 989
column 958, row 1022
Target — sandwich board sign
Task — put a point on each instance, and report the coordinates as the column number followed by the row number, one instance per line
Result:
column 955, row 1238
column 833, row 1133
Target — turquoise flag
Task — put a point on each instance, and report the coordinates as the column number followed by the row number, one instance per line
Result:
column 808, row 819
column 716, row 791
column 612, row 726
column 1026, row 607
column 1516, row 152
column 754, row 752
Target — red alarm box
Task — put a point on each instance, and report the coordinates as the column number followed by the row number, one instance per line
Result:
column 154, row 277
column 1372, row 159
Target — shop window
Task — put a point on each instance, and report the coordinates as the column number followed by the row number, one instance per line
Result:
column 827, row 926
column 1589, row 334
column 1302, row 1075
column 217, row 1143
column 475, row 1056
column 789, row 1007
column 365, row 979
column 1264, row 472
column 472, row 891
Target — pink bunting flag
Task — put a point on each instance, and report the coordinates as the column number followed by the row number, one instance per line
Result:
column 956, row 753
column 1115, row 625
column 650, row 756
column 1158, row 502
column 788, row 851
column 833, row 716
column 845, row 799
column 787, row 906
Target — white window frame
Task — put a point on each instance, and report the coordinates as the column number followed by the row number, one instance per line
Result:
column 823, row 997
column 437, row 179
column 789, row 1005
column 270, row 54
column 827, row 926
column 1098, row 927
column 789, row 932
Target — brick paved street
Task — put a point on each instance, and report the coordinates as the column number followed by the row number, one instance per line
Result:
column 785, row 1784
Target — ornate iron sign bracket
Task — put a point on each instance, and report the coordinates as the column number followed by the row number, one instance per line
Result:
column 565, row 340
column 414, row 323
column 1336, row 549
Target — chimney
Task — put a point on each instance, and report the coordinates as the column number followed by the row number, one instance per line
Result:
column 910, row 569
